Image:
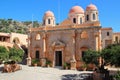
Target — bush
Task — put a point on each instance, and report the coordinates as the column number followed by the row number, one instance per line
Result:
column 16, row 54
column 3, row 54
column 9, row 62
column 35, row 61
column 48, row 62
column 12, row 54
column 117, row 76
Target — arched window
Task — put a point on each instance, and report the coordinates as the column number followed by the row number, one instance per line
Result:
column 94, row 17
column 49, row 21
column 80, row 20
column 84, row 35
column 74, row 20
column 37, row 54
column 87, row 17
column 38, row 36
column 16, row 40
column 116, row 39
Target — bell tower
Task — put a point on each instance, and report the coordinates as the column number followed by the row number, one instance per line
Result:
column 49, row 19
column 91, row 13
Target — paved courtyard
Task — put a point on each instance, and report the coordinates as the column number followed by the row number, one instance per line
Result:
column 38, row 73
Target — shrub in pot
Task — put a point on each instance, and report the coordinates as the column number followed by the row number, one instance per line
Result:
column 48, row 63
column 35, row 62
column 66, row 65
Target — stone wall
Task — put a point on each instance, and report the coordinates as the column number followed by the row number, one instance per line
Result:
column 107, row 36
column 70, row 41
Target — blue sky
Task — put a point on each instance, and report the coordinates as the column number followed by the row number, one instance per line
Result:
column 22, row 10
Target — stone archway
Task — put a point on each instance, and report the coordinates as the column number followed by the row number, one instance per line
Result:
column 16, row 40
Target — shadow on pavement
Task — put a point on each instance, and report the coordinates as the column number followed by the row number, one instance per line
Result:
column 82, row 76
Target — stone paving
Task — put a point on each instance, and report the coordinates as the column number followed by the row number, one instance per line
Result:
column 38, row 73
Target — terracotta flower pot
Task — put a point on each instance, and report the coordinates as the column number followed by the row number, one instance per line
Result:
column 35, row 65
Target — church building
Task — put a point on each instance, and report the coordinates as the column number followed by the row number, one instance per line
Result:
column 66, row 42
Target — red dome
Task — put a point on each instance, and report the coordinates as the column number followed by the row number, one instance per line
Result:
column 76, row 9
column 91, row 7
column 49, row 14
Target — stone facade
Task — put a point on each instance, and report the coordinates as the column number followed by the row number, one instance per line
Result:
column 116, row 37
column 107, row 36
column 22, row 38
column 66, row 42
column 8, row 39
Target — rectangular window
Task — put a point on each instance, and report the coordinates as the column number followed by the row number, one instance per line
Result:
column 87, row 17
column 116, row 39
column 37, row 54
column 83, row 53
column 80, row 20
column 48, row 21
column 94, row 17
column 108, row 33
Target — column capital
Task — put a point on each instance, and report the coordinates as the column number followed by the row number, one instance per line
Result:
column 96, row 34
column 44, row 36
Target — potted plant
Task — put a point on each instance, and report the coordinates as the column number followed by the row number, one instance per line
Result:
column 35, row 62
column 66, row 65
column 48, row 63
column 84, row 67
column 7, row 66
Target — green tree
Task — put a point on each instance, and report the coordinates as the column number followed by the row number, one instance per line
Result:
column 91, row 56
column 3, row 53
column 111, row 55
column 16, row 54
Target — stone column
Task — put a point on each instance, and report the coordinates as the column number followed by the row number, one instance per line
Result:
column 29, row 61
column 96, row 42
column 73, row 61
column 43, row 60
column 100, row 43
column 44, row 44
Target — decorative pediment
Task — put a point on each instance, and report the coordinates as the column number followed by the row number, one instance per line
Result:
column 58, row 44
